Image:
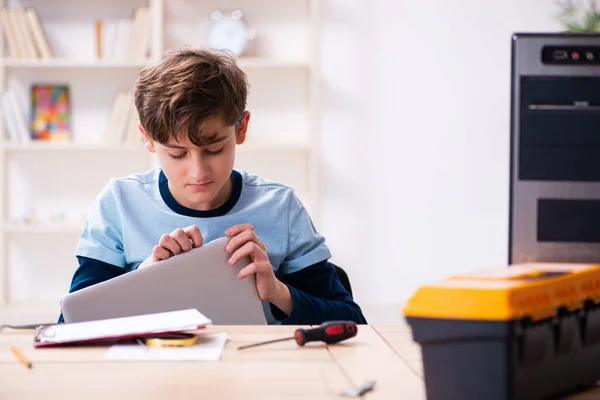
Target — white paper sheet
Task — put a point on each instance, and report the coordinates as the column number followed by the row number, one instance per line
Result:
column 209, row 348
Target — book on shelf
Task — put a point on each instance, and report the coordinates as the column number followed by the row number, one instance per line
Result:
column 15, row 112
column 122, row 122
column 23, row 34
column 141, row 35
column 126, row 39
column 15, row 119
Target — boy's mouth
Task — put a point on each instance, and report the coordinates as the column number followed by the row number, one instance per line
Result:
column 199, row 186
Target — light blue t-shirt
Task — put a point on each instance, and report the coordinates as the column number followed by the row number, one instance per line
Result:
column 132, row 213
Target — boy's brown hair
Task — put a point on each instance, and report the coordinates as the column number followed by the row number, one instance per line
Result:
column 183, row 89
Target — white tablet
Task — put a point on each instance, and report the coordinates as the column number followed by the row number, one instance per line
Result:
column 200, row 278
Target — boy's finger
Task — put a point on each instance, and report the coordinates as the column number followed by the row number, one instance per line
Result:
column 234, row 230
column 257, row 267
column 182, row 239
column 246, row 250
column 170, row 244
column 244, row 237
column 247, row 271
column 160, row 253
column 193, row 232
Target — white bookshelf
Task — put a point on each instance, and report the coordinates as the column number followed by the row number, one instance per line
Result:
column 37, row 258
column 249, row 147
column 243, row 62
column 60, row 147
column 66, row 63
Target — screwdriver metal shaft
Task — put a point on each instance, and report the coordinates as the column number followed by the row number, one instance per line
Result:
column 266, row 342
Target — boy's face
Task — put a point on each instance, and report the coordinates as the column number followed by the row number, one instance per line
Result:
column 199, row 177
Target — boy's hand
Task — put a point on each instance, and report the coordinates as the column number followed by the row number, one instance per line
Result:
column 244, row 242
column 176, row 242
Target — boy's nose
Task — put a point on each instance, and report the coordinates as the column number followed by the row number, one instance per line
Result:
column 199, row 169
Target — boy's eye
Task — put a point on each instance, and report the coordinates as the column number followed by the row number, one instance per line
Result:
column 177, row 156
column 214, row 152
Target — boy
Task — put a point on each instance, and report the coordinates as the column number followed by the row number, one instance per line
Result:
column 192, row 113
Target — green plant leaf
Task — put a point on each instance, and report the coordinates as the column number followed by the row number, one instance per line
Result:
column 574, row 27
column 567, row 13
column 571, row 11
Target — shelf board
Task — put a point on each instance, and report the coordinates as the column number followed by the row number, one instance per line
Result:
column 259, row 146
column 49, row 146
column 243, row 62
column 69, row 146
column 263, row 62
column 70, row 63
column 67, row 227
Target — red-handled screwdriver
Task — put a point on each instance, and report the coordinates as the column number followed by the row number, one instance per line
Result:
column 328, row 332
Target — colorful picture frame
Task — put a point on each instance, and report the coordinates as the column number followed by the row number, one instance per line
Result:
column 50, row 112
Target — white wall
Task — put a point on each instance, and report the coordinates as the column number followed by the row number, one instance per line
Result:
column 416, row 138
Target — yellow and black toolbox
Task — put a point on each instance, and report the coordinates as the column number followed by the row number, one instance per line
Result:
column 528, row 331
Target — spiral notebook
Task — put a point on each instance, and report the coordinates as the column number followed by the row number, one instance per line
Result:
column 119, row 328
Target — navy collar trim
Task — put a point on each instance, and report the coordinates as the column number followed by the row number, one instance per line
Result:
column 165, row 193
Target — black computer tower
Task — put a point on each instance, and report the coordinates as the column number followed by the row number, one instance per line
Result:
column 555, row 148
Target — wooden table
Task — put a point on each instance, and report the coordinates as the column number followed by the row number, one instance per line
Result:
column 398, row 337
column 282, row 370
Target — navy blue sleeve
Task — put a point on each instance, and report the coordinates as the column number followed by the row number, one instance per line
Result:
column 90, row 272
column 318, row 296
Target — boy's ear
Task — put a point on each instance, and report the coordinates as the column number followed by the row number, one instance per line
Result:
column 147, row 140
column 240, row 134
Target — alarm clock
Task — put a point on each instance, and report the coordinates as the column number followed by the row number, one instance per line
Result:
column 228, row 31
